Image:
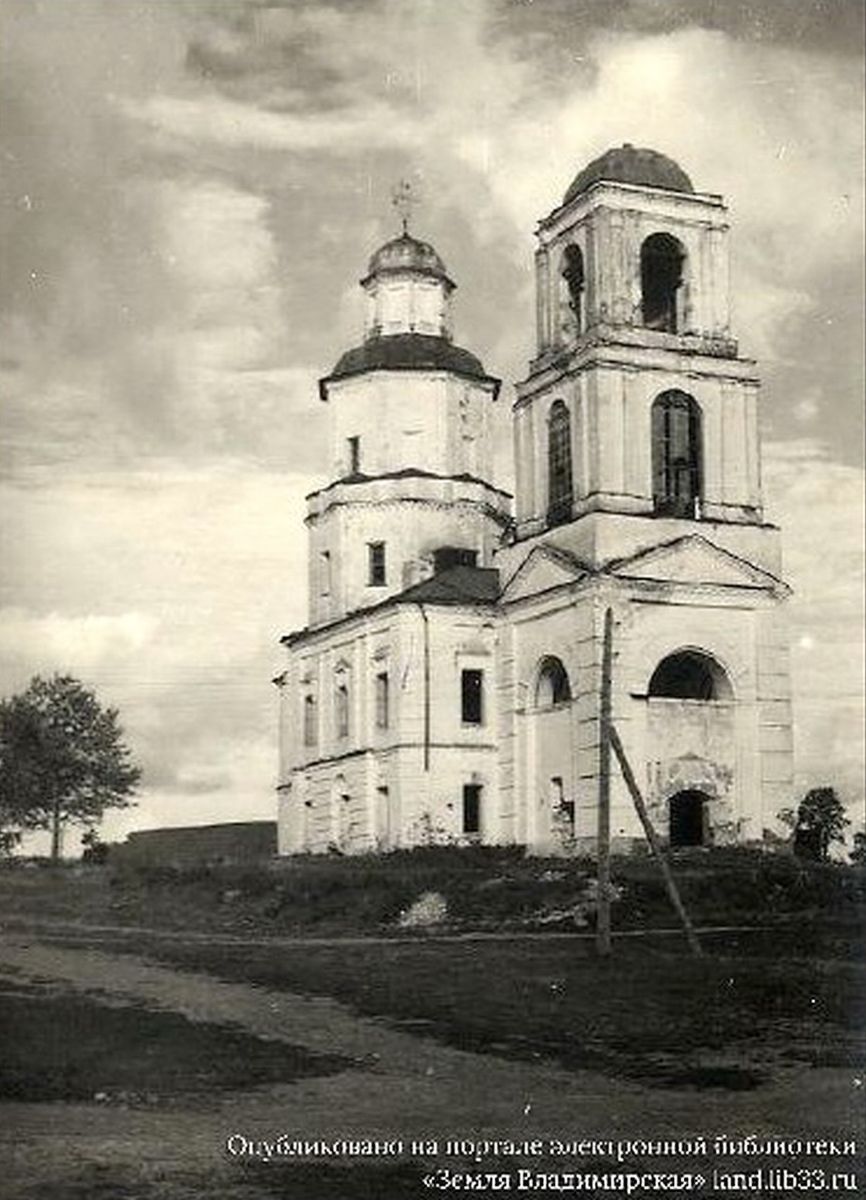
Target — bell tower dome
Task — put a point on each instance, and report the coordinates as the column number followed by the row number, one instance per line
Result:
column 411, row 444
column 638, row 419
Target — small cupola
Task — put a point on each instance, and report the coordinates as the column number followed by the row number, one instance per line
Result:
column 408, row 290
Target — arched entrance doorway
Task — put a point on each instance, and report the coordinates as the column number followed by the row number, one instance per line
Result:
column 688, row 818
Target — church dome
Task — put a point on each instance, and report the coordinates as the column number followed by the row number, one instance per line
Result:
column 406, row 253
column 631, row 164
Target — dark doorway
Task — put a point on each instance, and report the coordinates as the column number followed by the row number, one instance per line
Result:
column 472, row 808
column 688, row 819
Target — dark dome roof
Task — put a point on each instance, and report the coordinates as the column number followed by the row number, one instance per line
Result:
column 406, row 253
column 632, row 164
column 409, row 352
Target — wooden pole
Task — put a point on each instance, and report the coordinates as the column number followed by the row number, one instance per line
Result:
column 602, row 936
column 652, row 838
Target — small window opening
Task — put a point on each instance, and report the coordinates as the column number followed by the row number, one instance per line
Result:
column 688, row 675
column 354, row 448
column 382, row 700
column 376, row 571
column 325, row 573
column 472, row 697
column 472, row 808
column 676, row 455
column 310, row 721
column 342, row 710
column 559, row 482
column 661, row 275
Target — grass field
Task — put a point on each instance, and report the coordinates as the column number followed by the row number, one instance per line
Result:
column 651, row 1012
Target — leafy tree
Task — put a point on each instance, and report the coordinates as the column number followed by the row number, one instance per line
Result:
column 820, row 821
column 62, row 758
column 858, row 853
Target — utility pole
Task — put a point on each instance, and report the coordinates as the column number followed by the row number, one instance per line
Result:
column 602, row 936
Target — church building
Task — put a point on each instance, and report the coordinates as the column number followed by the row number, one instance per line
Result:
column 446, row 688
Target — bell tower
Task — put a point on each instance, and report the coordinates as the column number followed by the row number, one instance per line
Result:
column 637, row 404
column 410, row 432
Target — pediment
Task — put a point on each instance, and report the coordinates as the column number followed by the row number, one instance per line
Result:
column 545, row 567
column 694, row 559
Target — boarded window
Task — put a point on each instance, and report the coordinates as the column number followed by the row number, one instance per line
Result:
column 472, row 808
column 376, row 569
column 661, row 275
column 382, row 700
column 472, row 697
column 559, row 482
column 676, row 454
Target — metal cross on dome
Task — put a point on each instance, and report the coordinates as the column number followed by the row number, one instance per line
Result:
column 404, row 199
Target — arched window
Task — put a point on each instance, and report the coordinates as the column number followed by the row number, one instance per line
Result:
column 553, row 686
column 676, row 453
column 690, row 675
column 559, row 486
column 571, row 293
column 661, row 277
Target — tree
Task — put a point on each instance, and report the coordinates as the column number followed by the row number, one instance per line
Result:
column 820, row 821
column 62, row 758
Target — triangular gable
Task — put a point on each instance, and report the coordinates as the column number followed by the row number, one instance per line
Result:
column 545, row 567
column 693, row 559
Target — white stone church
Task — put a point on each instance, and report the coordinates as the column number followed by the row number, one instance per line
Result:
column 447, row 686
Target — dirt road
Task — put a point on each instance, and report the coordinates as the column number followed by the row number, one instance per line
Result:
column 401, row 1086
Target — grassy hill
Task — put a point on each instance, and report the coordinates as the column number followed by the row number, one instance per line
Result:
column 482, row 888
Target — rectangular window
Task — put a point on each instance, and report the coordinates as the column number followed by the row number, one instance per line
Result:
column 376, row 574
column 382, row 700
column 310, row 722
column 472, row 808
column 341, row 702
column 354, row 448
column 472, row 697
column 325, row 573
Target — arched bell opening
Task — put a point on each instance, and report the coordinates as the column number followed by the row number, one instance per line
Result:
column 662, row 261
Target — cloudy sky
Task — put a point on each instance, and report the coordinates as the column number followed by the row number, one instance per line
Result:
column 190, row 190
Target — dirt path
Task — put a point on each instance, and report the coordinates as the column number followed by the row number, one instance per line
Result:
column 405, row 1086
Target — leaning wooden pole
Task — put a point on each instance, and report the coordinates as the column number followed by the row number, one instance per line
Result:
column 652, row 838
column 602, row 936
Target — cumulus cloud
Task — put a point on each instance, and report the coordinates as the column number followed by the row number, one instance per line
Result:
column 192, row 190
